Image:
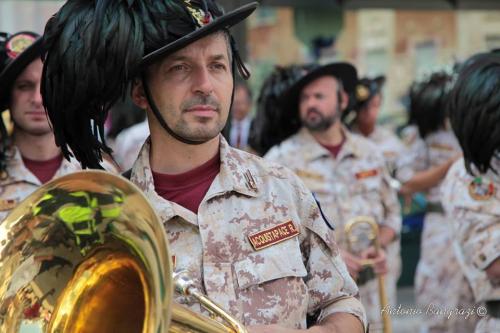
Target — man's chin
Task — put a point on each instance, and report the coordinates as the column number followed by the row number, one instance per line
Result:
column 35, row 131
column 201, row 136
column 316, row 127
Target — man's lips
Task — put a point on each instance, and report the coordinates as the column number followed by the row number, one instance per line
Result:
column 36, row 113
column 202, row 110
column 313, row 113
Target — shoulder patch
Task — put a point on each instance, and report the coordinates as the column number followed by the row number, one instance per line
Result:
column 481, row 190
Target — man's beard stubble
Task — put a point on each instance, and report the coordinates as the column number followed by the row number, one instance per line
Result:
column 183, row 129
column 322, row 122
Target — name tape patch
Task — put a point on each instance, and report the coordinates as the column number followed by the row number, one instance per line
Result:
column 7, row 204
column 273, row 235
column 366, row 174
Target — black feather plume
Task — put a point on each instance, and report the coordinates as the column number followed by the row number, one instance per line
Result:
column 474, row 107
column 93, row 49
column 274, row 122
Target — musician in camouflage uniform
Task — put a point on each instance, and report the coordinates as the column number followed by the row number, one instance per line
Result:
column 29, row 156
column 346, row 173
column 247, row 230
column 471, row 194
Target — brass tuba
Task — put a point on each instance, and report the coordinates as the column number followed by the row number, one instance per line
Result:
column 361, row 233
column 86, row 253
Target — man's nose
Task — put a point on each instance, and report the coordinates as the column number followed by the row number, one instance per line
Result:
column 203, row 83
column 37, row 96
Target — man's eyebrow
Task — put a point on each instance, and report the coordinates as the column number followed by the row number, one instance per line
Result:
column 185, row 58
column 218, row 57
column 177, row 58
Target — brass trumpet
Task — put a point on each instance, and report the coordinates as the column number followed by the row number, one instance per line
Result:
column 86, row 253
column 361, row 233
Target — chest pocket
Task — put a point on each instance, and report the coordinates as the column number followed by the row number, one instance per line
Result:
column 277, row 261
column 270, row 285
column 366, row 181
column 315, row 181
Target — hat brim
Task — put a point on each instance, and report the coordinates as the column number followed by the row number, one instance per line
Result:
column 223, row 22
column 343, row 71
column 15, row 67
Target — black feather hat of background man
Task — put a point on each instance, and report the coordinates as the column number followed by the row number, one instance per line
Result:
column 97, row 48
column 428, row 103
column 271, row 125
column 277, row 116
column 366, row 89
column 17, row 51
column 474, row 107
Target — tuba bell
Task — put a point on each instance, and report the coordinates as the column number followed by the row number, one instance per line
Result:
column 87, row 253
column 361, row 233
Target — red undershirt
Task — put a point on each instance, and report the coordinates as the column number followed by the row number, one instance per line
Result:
column 43, row 170
column 335, row 150
column 188, row 189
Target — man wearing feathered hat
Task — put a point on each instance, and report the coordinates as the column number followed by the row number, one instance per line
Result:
column 471, row 195
column 29, row 156
column 346, row 172
column 247, row 231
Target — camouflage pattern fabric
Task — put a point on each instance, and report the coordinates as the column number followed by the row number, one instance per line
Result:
column 438, row 281
column 473, row 205
column 20, row 182
column 356, row 183
column 277, row 284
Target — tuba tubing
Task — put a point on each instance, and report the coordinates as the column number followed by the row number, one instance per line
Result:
column 184, row 285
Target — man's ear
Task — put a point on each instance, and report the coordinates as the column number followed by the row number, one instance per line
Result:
column 138, row 95
column 345, row 100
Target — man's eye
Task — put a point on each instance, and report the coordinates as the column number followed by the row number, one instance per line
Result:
column 23, row 86
column 218, row 66
column 178, row 68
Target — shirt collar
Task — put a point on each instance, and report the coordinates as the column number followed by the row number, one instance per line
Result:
column 234, row 175
column 17, row 171
column 314, row 150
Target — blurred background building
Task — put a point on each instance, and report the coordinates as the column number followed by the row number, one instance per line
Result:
column 402, row 39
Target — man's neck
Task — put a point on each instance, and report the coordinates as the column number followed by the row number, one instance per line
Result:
column 366, row 130
column 36, row 147
column 331, row 137
column 171, row 156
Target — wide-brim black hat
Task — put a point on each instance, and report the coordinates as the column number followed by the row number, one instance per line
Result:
column 223, row 22
column 16, row 63
column 343, row 71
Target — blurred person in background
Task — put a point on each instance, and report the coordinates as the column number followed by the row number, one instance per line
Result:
column 346, row 172
column 129, row 130
column 439, row 283
column 471, row 194
column 400, row 155
column 367, row 103
column 29, row 157
column 241, row 120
